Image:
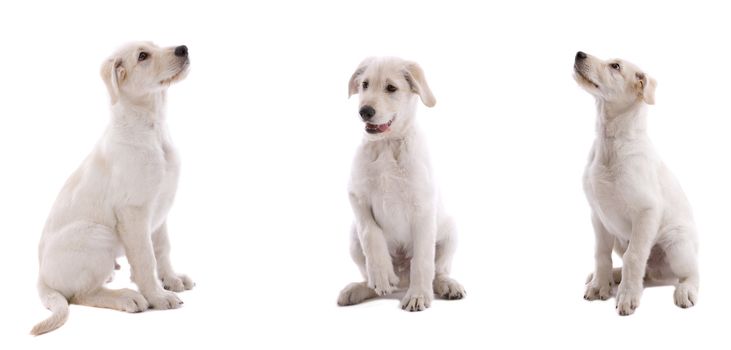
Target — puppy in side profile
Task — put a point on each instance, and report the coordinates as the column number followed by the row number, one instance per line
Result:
column 401, row 235
column 638, row 208
column 117, row 202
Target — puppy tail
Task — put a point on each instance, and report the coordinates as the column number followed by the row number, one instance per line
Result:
column 59, row 306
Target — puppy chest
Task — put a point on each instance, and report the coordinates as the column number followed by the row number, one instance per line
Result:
column 394, row 203
column 395, row 184
column 607, row 201
column 165, row 184
column 393, row 216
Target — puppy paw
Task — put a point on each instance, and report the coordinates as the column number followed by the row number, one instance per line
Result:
column 448, row 288
column 628, row 299
column 416, row 300
column 685, row 295
column 355, row 293
column 382, row 280
column 596, row 289
column 164, row 300
column 176, row 283
column 132, row 301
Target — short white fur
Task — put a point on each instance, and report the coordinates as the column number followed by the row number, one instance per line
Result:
column 117, row 202
column 401, row 237
column 638, row 207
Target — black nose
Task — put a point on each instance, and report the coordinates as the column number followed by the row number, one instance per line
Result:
column 367, row 112
column 580, row 55
column 181, row 51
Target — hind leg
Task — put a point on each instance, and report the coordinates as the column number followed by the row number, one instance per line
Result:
column 78, row 259
column 358, row 292
column 682, row 259
column 444, row 286
column 126, row 300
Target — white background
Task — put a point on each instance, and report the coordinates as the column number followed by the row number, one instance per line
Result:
column 267, row 135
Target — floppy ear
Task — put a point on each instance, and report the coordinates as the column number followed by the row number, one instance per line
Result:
column 113, row 74
column 353, row 84
column 415, row 76
column 646, row 87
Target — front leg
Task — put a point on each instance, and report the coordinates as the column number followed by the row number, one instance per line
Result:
column 134, row 231
column 600, row 284
column 423, row 235
column 634, row 261
column 170, row 280
column 379, row 267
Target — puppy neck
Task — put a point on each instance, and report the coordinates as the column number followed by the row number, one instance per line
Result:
column 625, row 122
column 148, row 109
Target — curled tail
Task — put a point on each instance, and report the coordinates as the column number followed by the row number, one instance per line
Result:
column 57, row 303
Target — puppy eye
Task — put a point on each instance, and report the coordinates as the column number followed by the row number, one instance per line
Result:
column 615, row 66
column 142, row 56
column 391, row 88
column 365, row 85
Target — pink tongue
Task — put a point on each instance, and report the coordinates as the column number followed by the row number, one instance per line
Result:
column 383, row 127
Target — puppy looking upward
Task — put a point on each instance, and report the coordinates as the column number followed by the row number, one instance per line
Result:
column 638, row 208
column 117, row 202
column 401, row 236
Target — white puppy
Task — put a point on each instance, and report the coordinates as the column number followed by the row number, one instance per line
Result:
column 638, row 208
column 401, row 232
column 117, row 202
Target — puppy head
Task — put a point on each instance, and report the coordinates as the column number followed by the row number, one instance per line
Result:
column 613, row 81
column 142, row 68
column 388, row 88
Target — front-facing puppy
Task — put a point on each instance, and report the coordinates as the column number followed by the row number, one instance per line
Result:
column 401, row 236
column 638, row 208
column 117, row 202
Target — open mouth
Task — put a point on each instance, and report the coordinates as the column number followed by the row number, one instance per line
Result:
column 583, row 77
column 377, row 128
column 177, row 76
